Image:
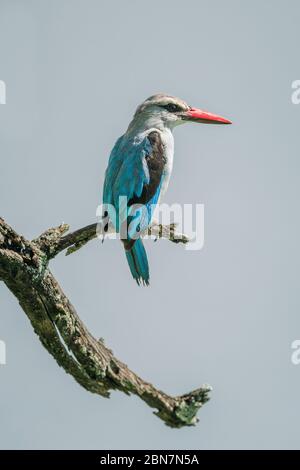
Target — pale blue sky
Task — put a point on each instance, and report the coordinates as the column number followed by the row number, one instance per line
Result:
column 227, row 315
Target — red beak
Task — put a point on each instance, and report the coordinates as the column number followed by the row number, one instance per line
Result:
column 197, row 115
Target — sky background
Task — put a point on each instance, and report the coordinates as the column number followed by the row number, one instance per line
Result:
column 226, row 315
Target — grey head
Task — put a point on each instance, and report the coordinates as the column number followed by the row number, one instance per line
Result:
column 166, row 111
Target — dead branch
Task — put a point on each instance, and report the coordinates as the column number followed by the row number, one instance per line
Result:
column 24, row 268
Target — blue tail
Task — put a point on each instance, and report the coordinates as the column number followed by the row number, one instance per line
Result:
column 138, row 262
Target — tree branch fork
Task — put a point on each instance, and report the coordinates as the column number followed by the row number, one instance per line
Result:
column 24, row 268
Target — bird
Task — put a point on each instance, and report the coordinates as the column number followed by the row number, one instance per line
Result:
column 139, row 171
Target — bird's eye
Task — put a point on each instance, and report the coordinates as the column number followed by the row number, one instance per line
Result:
column 172, row 108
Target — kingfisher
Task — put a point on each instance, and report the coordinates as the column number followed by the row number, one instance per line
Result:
column 139, row 171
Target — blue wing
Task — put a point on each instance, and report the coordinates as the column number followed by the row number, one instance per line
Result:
column 135, row 170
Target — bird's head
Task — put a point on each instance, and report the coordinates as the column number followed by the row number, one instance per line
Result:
column 168, row 111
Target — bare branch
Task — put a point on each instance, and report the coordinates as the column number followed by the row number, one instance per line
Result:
column 53, row 242
column 24, row 269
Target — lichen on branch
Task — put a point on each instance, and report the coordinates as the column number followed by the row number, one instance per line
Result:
column 24, row 268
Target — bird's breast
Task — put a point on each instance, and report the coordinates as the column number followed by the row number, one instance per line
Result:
column 168, row 144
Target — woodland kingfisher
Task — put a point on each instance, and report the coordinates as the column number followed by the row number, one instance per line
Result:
column 139, row 171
